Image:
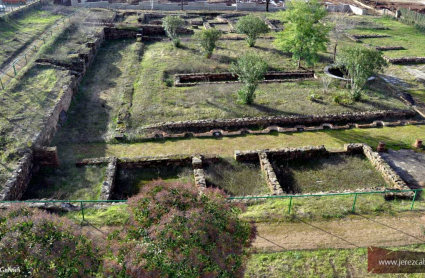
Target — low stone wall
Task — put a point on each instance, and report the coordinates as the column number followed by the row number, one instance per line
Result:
column 394, row 181
column 386, row 48
column 121, row 33
column 274, row 123
column 192, row 79
column 46, row 156
column 405, row 60
column 357, row 38
column 269, row 173
column 17, row 185
column 389, row 175
column 283, row 153
column 198, row 173
column 109, row 182
column 147, row 161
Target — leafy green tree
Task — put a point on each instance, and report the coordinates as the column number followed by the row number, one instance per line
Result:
column 252, row 26
column 171, row 24
column 207, row 39
column 360, row 63
column 304, row 35
column 250, row 70
column 177, row 232
column 45, row 245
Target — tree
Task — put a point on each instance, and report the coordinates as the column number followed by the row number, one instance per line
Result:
column 252, row 26
column 250, row 70
column 177, row 232
column 340, row 25
column 267, row 5
column 44, row 245
column 207, row 39
column 360, row 63
column 171, row 24
column 304, row 35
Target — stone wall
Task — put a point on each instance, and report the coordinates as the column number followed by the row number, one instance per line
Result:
column 109, row 182
column 268, row 171
column 276, row 121
column 389, row 175
column 243, row 131
column 192, row 79
column 198, row 173
column 405, row 60
column 46, row 156
column 283, row 153
column 17, row 185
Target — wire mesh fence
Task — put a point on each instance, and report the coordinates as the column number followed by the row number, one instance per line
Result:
column 327, row 205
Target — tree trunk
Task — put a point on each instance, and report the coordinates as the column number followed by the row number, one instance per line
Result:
column 299, row 63
column 267, row 5
column 182, row 5
column 336, row 44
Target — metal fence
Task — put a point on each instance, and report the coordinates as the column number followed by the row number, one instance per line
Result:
column 290, row 197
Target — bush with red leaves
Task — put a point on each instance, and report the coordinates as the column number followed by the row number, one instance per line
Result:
column 176, row 232
column 35, row 243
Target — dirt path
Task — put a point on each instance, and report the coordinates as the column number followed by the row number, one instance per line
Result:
column 358, row 231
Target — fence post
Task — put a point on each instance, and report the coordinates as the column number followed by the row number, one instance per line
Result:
column 413, row 201
column 14, row 69
column 354, row 203
column 82, row 210
column 290, row 204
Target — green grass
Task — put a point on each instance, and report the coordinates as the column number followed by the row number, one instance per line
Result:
column 114, row 215
column 23, row 109
column 130, row 181
column 326, row 207
column 318, row 263
column 24, row 29
column 67, row 183
column 395, row 137
column 334, row 173
column 156, row 100
column 400, row 35
column 237, row 179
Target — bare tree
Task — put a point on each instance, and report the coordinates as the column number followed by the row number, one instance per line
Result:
column 341, row 24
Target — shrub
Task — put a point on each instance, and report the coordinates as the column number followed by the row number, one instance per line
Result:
column 342, row 98
column 315, row 97
column 177, row 232
column 171, row 24
column 207, row 39
column 250, row 70
column 44, row 245
column 252, row 26
column 360, row 63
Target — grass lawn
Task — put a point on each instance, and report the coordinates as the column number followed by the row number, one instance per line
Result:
column 23, row 106
column 24, row 29
column 67, row 183
column 327, row 207
column 400, row 35
column 129, row 181
column 237, row 179
column 334, row 173
column 319, row 263
column 395, row 137
column 156, row 99
column 92, row 116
